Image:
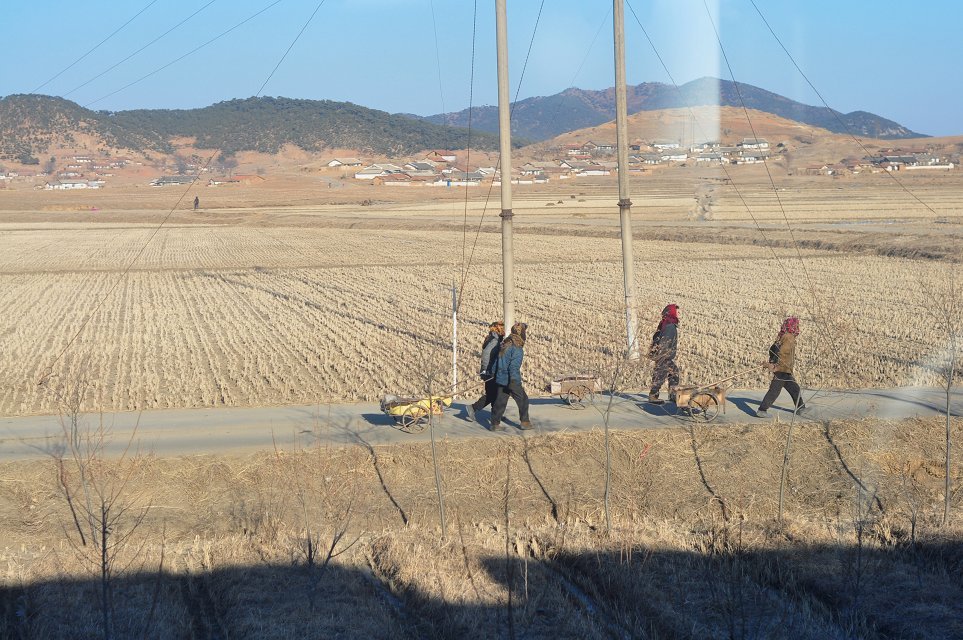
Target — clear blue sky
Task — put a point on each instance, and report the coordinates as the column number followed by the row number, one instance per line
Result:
column 897, row 59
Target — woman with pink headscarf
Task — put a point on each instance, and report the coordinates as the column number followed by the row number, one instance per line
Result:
column 781, row 356
column 662, row 352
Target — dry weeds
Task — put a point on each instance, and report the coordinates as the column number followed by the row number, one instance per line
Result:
column 860, row 555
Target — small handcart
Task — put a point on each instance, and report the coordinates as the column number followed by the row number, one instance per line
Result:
column 577, row 389
column 702, row 402
column 411, row 413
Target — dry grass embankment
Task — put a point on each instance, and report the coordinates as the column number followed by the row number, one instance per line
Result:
column 222, row 550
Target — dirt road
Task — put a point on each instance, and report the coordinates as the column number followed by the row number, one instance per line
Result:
column 243, row 430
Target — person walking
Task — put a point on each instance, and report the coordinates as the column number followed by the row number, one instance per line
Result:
column 197, row 202
column 508, row 375
column 781, row 357
column 662, row 352
column 489, row 359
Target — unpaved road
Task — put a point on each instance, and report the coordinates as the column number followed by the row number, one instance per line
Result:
column 244, row 430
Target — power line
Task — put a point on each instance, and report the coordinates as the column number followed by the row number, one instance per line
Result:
column 178, row 59
column 117, row 64
column 48, row 371
column 835, row 113
column 471, row 101
column 518, row 90
column 698, row 122
column 752, row 128
column 288, row 50
column 94, row 48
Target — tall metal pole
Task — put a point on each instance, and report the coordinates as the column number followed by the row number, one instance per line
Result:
column 625, row 205
column 505, row 150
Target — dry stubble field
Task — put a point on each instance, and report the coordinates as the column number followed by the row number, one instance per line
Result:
column 296, row 306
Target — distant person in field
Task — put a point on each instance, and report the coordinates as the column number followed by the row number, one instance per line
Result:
column 781, row 356
column 662, row 352
column 508, row 375
column 197, row 202
column 489, row 360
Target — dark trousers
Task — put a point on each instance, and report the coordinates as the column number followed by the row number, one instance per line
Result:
column 665, row 369
column 514, row 390
column 780, row 380
column 488, row 398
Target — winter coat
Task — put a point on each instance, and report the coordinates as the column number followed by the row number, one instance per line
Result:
column 510, row 365
column 664, row 343
column 782, row 353
column 489, row 356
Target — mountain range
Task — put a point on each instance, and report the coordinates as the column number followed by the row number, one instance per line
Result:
column 544, row 117
column 30, row 125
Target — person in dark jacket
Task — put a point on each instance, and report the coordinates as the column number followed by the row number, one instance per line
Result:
column 508, row 375
column 782, row 355
column 662, row 352
column 489, row 359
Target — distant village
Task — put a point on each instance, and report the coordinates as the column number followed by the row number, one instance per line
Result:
column 441, row 167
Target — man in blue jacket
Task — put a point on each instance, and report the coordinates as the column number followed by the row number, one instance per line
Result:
column 489, row 360
column 508, row 375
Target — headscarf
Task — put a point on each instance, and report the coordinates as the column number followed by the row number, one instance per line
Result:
column 670, row 315
column 517, row 337
column 789, row 325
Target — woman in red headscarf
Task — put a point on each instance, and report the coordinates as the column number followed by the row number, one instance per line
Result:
column 781, row 357
column 662, row 351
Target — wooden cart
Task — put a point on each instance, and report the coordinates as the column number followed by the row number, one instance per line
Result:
column 577, row 389
column 411, row 413
column 703, row 402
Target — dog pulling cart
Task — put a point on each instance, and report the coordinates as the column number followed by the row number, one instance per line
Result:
column 411, row 413
column 703, row 402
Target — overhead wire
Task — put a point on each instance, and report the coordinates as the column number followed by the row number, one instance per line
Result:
column 471, row 101
column 444, row 111
column 772, row 182
column 122, row 61
column 48, row 371
column 481, row 219
column 189, row 53
column 698, row 122
column 832, row 111
column 94, row 48
column 768, row 243
column 815, row 310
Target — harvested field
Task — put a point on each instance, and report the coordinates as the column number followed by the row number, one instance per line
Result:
column 218, row 546
column 229, row 316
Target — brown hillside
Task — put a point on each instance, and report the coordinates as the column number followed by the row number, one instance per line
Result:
column 697, row 125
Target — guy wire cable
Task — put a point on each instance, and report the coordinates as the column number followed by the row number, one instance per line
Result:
column 94, row 48
column 117, row 64
column 835, row 113
column 178, row 59
column 732, row 182
column 498, row 164
column 48, row 371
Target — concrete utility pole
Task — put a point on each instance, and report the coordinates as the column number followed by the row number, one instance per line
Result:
column 625, row 205
column 505, row 151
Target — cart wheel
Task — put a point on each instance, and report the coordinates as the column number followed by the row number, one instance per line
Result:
column 413, row 419
column 580, row 397
column 704, row 406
